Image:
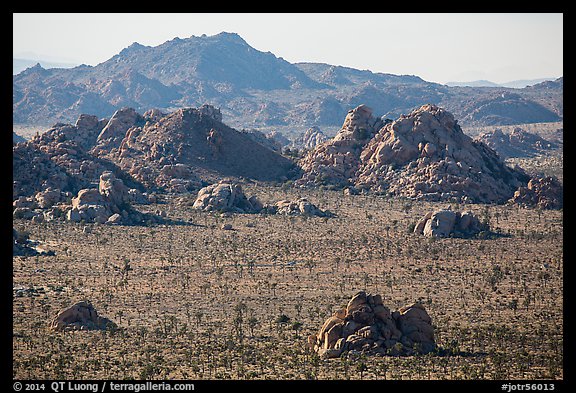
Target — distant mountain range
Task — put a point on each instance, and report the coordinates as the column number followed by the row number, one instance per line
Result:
column 516, row 84
column 19, row 65
column 255, row 89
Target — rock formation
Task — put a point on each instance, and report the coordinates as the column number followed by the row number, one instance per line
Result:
column 298, row 207
column 336, row 161
column 310, row 139
column 173, row 152
column 110, row 203
column 422, row 155
column 448, row 223
column 226, row 197
column 518, row 143
column 541, row 192
column 59, row 159
column 180, row 150
column 81, row 316
column 366, row 325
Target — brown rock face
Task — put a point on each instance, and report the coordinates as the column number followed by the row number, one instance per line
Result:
column 336, row 161
column 366, row 325
column 198, row 141
column 422, row 155
column 542, row 192
column 226, row 197
column 447, row 223
column 296, row 208
column 81, row 316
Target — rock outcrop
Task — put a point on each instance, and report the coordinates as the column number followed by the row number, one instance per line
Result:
column 448, row 223
column 541, row 192
column 182, row 150
column 116, row 128
column 110, row 203
column 226, row 197
column 310, row 139
column 422, row 155
column 299, row 207
column 366, row 325
column 518, row 143
column 175, row 152
column 59, row 159
column 425, row 155
column 81, row 316
column 336, row 161
column 22, row 245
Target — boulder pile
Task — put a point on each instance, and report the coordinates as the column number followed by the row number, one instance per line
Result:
column 22, row 245
column 310, row 139
column 336, row 161
column 366, row 325
column 423, row 155
column 301, row 206
column 81, row 316
column 109, row 204
column 448, row 223
column 179, row 150
column 541, row 192
column 226, row 196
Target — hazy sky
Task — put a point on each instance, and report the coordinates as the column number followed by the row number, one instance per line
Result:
column 436, row 47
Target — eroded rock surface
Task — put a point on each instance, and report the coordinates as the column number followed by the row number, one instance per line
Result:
column 81, row 316
column 448, row 223
column 422, row 155
column 541, row 192
column 367, row 325
column 226, row 196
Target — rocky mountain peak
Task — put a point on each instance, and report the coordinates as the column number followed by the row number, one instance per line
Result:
column 224, row 68
column 115, row 130
column 422, row 155
column 359, row 125
column 133, row 48
column 230, row 37
column 336, row 160
column 425, row 155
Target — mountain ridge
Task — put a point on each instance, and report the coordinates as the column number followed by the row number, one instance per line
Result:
column 515, row 84
column 256, row 89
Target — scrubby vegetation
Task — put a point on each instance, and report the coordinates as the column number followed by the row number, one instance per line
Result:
column 195, row 301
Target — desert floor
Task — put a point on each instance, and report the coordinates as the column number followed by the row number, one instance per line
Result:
column 201, row 302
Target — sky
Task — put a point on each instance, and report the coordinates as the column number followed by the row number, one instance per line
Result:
column 434, row 46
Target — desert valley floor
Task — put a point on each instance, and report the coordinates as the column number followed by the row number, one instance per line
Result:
column 195, row 301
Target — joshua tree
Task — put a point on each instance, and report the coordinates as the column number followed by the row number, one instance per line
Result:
column 296, row 326
column 252, row 322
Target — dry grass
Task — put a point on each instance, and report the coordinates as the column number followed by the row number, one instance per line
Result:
column 204, row 303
